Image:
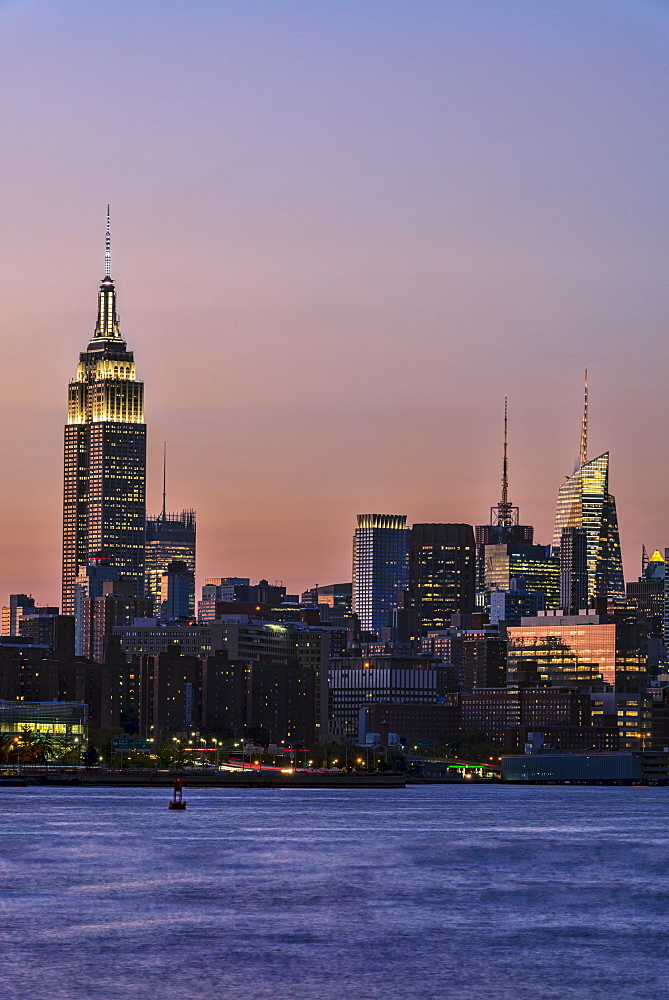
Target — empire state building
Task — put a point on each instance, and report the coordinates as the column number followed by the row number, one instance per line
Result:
column 104, row 506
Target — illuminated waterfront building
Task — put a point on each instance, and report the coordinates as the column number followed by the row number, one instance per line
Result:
column 380, row 568
column 60, row 718
column 104, row 505
column 584, row 502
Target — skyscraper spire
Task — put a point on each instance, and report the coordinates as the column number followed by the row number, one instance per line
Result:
column 164, row 477
column 104, row 507
column 505, row 469
column 583, row 458
column 107, row 327
column 108, row 248
column 505, row 515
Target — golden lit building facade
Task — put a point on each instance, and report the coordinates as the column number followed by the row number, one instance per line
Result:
column 104, row 503
column 534, row 563
column 576, row 650
column 55, row 718
column 584, row 502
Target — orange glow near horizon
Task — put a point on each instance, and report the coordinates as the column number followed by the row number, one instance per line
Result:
column 341, row 234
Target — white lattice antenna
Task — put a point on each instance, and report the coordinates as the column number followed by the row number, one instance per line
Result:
column 108, row 248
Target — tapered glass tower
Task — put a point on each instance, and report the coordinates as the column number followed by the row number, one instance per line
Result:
column 584, row 502
column 104, row 506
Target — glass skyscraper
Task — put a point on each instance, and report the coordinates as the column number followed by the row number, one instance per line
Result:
column 380, row 568
column 584, row 502
column 169, row 537
column 104, row 506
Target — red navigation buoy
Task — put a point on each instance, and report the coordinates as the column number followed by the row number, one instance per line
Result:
column 177, row 800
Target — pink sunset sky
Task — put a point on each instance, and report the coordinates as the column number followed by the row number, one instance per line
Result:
column 341, row 233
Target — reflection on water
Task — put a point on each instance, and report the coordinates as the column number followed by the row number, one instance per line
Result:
column 423, row 894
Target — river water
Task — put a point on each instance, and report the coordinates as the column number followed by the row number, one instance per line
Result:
column 428, row 893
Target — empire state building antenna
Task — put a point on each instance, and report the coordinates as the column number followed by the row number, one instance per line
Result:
column 108, row 247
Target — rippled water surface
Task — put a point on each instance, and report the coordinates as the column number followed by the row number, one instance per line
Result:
column 418, row 894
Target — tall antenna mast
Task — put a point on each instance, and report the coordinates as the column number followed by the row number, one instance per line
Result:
column 164, row 476
column 504, row 515
column 584, row 426
column 108, row 248
column 505, row 467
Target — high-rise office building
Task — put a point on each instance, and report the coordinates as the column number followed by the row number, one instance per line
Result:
column 169, row 537
column 380, row 568
column 442, row 576
column 647, row 593
column 533, row 563
column 512, row 605
column 177, row 591
column 104, row 506
column 573, row 570
column 584, row 502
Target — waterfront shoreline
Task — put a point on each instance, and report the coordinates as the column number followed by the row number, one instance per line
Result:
column 220, row 779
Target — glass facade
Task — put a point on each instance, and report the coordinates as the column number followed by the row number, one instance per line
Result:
column 380, row 568
column 104, row 506
column 580, row 654
column 61, row 718
column 169, row 537
column 572, row 651
column 584, row 501
column 533, row 563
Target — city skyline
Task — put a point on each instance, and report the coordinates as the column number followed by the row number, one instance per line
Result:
column 339, row 249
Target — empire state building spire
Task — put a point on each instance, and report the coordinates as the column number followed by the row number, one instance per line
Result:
column 107, row 327
column 104, row 507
